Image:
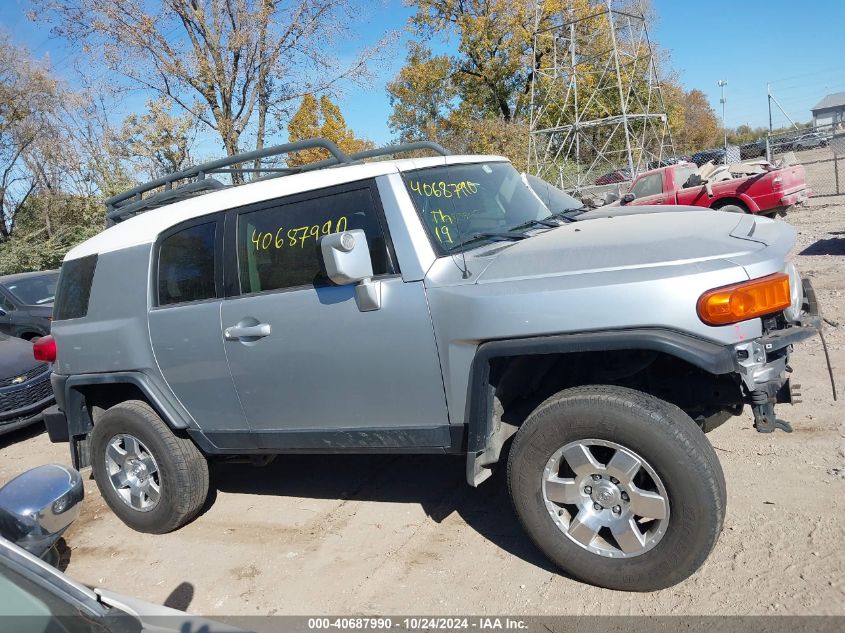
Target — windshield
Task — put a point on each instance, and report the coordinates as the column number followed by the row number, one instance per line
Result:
column 459, row 202
column 34, row 291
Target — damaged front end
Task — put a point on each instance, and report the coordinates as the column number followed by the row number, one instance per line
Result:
column 763, row 363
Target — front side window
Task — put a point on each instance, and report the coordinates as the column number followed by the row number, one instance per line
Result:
column 649, row 186
column 459, row 203
column 186, row 265
column 278, row 246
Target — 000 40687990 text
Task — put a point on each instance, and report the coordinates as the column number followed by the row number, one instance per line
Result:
column 264, row 240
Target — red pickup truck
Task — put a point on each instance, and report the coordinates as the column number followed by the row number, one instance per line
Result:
column 767, row 193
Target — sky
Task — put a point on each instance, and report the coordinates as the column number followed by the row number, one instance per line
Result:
column 797, row 47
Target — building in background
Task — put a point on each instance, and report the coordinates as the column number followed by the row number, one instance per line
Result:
column 830, row 112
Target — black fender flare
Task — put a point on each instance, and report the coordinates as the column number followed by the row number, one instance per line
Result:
column 712, row 357
column 76, row 411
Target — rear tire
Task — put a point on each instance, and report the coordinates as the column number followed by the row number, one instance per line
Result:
column 677, row 483
column 152, row 480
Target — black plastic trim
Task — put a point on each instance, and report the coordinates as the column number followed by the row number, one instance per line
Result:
column 711, row 357
column 56, row 423
column 435, row 439
column 79, row 422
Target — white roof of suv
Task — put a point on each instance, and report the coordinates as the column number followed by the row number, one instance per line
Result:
column 145, row 227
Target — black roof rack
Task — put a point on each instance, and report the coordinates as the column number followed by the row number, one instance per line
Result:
column 199, row 179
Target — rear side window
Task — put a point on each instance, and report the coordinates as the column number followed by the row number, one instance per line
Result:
column 186, row 268
column 277, row 247
column 74, row 288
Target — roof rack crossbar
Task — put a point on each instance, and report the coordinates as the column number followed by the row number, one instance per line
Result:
column 387, row 150
column 401, row 148
column 163, row 197
column 128, row 203
column 199, row 172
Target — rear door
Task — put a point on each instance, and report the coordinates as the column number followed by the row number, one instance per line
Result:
column 187, row 288
column 320, row 373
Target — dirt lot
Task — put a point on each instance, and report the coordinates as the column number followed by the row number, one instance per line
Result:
column 405, row 535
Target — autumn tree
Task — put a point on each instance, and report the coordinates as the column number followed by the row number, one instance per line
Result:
column 500, row 45
column 700, row 128
column 321, row 119
column 157, row 141
column 234, row 65
column 29, row 97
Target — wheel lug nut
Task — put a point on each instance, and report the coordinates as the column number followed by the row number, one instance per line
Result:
column 588, row 490
column 617, row 510
column 596, row 506
column 625, row 496
column 596, row 477
column 614, row 480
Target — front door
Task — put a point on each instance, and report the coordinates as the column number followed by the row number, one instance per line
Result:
column 314, row 371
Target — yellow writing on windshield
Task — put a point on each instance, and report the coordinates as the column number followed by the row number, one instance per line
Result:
column 296, row 237
column 441, row 189
column 441, row 229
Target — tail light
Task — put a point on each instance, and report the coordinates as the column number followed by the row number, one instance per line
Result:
column 777, row 183
column 745, row 300
column 44, row 349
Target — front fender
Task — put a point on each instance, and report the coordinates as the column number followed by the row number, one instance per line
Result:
column 482, row 449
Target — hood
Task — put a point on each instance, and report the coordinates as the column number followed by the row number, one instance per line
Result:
column 15, row 356
column 622, row 242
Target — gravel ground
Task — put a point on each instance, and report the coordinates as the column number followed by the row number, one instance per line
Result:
column 405, row 535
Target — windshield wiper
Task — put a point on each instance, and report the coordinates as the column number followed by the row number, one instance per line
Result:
column 504, row 235
column 552, row 224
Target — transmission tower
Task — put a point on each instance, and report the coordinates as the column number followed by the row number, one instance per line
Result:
column 596, row 102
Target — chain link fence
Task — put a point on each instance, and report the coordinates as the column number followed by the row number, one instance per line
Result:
column 821, row 150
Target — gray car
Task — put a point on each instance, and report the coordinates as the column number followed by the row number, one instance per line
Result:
column 35, row 510
column 26, row 303
column 429, row 305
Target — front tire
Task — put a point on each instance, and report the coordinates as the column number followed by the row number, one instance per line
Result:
column 152, row 480
column 618, row 488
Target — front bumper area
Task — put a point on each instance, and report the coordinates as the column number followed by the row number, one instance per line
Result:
column 763, row 366
column 23, row 404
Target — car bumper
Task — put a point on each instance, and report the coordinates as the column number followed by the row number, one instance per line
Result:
column 31, row 398
column 763, row 364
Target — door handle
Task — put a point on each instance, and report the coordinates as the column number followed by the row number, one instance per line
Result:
column 238, row 332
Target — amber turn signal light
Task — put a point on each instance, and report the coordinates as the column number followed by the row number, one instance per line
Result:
column 745, row 300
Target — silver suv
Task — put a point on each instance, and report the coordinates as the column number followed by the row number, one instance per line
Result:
column 428, row 305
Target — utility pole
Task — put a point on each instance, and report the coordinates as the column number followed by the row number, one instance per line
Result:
column 769, row 92
column 722, row 84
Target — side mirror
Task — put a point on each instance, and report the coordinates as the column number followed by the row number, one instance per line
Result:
column 37, row 506
column 628, row 197
column 346, row 260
